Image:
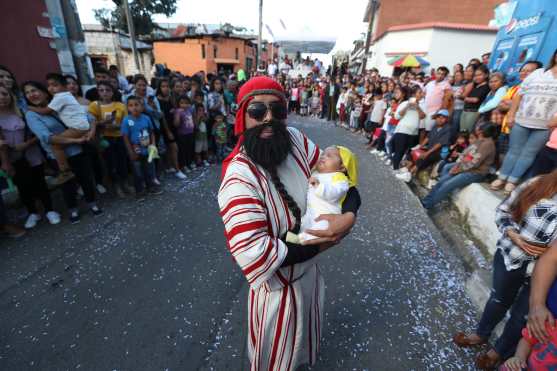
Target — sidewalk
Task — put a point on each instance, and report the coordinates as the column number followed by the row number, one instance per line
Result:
column 469, row 224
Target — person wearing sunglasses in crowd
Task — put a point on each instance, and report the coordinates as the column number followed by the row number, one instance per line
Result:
column 262, row 197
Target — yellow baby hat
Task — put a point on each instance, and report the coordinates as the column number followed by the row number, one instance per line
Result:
column 350, row 162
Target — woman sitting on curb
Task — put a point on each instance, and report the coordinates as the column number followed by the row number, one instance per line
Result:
column 528, row 223
column 472, row 166
column 531, row 111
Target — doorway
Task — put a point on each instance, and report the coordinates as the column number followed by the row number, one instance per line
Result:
column 225, row 69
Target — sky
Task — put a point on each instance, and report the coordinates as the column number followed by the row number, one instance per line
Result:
column 309, row 20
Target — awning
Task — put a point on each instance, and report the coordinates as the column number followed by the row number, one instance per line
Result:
column 226, row 61
column 408, row 60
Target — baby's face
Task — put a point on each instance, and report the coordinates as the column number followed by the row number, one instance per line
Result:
column 330, row 161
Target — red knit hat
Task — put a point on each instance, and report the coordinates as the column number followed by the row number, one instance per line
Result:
column 255, row 86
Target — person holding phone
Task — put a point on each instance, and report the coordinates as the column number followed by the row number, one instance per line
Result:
column 527, row 220
column 108, row 115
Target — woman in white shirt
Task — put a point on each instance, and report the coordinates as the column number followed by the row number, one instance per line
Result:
column 532, row 109
column 409, row 113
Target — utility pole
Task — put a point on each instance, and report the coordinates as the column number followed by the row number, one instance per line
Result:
column 76, row 41
column 131, row 31
column 259, row 39
column 373, row 5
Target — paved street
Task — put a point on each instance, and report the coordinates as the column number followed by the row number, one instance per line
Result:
column 152, row 287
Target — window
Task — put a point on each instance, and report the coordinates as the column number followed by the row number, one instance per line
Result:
column 203, row 51
column 215, row 51
column 237, row 54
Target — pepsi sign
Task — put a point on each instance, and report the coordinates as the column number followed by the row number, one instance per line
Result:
column 515, row 24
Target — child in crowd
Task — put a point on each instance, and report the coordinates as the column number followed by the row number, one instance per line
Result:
column 184, row 124
column 72, row 115
column 315, row 102
column 138, row 133
column 294, row 98
column 335, row 172
column 304, row 98
column 455, row 150
column 530, row 353
column 201, row 142
column 355, row 114
column 380, row 134
column 458, row 147
column 108, row 115
column 377, row 113
column 220, row 134
column 341, row 106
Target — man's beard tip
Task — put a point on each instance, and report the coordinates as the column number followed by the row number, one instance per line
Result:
column 268, row 152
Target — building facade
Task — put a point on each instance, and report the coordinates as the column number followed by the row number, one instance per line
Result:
column 441, row 44
column 214, row 53
column 39, row 41
column 390, row 13
column 107, row 47
column 435, row 30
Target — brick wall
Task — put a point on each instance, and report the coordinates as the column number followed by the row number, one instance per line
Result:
column 186, row 56
column 401, row 12
column 28, row 55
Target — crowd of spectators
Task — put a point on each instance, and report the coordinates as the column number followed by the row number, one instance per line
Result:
column 119, row 137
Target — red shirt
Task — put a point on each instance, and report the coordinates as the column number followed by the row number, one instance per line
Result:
column 542, row 356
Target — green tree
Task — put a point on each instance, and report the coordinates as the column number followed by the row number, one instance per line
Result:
column 141, row 11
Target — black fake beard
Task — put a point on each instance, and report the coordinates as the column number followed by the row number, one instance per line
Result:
column 268, row 153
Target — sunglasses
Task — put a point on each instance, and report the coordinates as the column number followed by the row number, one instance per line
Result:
column 258, row 110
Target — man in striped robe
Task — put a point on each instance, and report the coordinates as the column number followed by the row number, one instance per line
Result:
column 261, row 198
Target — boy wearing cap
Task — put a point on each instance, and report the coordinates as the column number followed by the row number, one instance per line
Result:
column 430, row 148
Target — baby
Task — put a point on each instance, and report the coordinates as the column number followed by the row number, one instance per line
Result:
column 335, row 172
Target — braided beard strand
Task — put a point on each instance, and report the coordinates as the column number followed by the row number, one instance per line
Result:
column 269, row 154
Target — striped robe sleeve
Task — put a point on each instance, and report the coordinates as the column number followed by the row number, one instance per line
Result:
column 247, row 228
column 310, row 149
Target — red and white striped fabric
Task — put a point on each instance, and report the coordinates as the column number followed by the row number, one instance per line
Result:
column 285, row 304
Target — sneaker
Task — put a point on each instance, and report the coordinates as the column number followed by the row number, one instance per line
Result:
column 155, row 191
column 12, row 231
column 186, row 170
column 374, row 151
column 404, row 170
column 53, row 217
column 170, row 170
column 97, row 211
column 156, row 181
column 406, row 177
column 193, row 166
column 180, row 175
column 101, row 189
column 74, row 217
column 63, row 177
column 80, row 192
column 206, row 163
column 32, row 221
column 382, row 154
column 140, row 196
column 388, row 162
